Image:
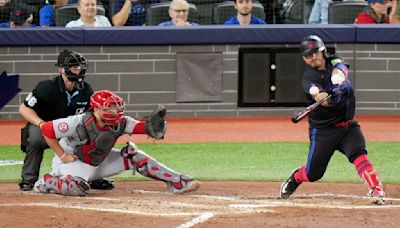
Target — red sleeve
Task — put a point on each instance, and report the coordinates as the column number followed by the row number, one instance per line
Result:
column 48, row 130
column 139, row 128
column 364, row 18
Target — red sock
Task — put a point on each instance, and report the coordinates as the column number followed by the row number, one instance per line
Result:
column 301, row 176
column 366, row 171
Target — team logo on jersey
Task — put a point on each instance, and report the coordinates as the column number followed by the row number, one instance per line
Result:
column 62, row 127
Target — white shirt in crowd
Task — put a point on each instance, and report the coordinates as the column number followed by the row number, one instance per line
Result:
column 99, row 21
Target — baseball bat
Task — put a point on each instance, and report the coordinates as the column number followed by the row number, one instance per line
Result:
column 303, row 113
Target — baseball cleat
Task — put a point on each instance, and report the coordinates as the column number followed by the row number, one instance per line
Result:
column 25, row 186
column 378, row 195
column 187, row 184
column 289, row 186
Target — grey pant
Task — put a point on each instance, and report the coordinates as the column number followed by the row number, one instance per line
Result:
column 34, row 154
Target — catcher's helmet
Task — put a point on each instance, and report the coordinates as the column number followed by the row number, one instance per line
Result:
column 68, row 59
column 112, row 105
column 312, row 44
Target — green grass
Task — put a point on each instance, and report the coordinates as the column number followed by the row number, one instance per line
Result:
column 237, row 161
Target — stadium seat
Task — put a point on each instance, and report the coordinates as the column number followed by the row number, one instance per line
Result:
column 68, row 13
column 158, row 12
column 344, row 12
column 296, row 11
column 225, row 10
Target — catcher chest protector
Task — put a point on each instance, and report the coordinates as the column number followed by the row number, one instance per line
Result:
column 99, row 143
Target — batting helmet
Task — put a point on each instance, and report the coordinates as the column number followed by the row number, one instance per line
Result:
column 68, row 59
column 112, row 105
column 312, row 44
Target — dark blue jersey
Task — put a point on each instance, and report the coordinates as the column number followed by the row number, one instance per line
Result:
column 327, row 116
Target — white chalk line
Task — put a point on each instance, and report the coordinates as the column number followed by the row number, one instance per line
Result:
column 202, row 218
column 123, row 211
column 233, row 198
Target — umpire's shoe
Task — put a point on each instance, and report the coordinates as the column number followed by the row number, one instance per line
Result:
column 102, row 184
column 187, row 184
column 25, row 186
column 289, row 186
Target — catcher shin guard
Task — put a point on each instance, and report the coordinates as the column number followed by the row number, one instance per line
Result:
column 69, row 186
column 147, row 166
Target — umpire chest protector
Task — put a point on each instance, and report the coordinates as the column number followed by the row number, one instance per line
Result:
column 99, row 141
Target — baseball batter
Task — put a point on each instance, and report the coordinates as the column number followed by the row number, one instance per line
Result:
column 332, row 126
column 83, row 145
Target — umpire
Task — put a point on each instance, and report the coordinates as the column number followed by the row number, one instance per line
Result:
column 60, row 97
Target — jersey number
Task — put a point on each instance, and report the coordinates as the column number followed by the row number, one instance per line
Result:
column 31, row 100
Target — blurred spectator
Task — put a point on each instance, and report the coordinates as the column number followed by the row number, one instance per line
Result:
column 5, row 9
column 179, row 12
column 319, row 12
column 396, row 13
column 89, row 18
column 130, row 12
column 46, row 13
column 244, row 17
column 376, row 13
column 21, row 16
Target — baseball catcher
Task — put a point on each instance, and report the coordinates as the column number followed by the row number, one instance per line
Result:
column 83, row 147
column 332, row 124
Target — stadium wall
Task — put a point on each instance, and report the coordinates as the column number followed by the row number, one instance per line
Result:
column 140, row 63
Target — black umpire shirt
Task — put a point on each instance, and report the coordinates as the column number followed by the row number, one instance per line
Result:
column 327, row 116
column 51, row 100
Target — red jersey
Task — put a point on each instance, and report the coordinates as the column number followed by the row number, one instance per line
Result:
column 365, row 18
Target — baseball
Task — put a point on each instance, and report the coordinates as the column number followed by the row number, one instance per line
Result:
column 314, row 90
column 338, row 78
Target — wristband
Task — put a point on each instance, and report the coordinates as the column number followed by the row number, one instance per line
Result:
column 42, row 121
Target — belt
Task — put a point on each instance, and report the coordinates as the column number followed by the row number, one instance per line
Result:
column 343, row 124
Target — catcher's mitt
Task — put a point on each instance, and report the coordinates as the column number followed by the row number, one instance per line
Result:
column 156, row 126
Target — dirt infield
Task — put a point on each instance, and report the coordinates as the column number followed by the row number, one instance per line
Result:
column 216, row 203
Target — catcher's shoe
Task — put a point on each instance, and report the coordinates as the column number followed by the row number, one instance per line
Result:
column 289, row 186
column 378, row 195
column 187, row 184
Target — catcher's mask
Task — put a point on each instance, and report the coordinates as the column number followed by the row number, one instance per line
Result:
column 68, row 59
column 112, row 106
column 312, row 44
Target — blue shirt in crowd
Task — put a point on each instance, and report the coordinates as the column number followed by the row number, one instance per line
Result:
column 171, row 23
column 137, row 15
column 254, row 21
column 46, row 15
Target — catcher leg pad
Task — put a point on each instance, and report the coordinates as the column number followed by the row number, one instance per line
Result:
column 69, row 186
column 147, row 166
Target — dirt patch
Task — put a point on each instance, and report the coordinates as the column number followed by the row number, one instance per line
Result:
column 226, row 203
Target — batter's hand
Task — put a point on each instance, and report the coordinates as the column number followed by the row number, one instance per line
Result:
column 67, row 158
column 321, row 96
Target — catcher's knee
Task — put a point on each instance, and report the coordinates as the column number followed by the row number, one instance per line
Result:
column 74, row 186
column 69, row 186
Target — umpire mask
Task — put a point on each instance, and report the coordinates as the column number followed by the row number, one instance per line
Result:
column 68, row 59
